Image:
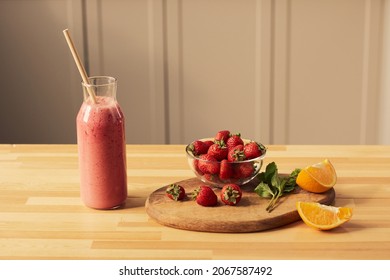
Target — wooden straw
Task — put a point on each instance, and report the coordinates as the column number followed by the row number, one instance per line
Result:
column 80, row 66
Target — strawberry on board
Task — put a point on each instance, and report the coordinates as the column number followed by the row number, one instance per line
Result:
column 218, row 150
column 205, row 196
column 175, row 192
column 236, row 154
column 208, row 164
column 253, row 150
column 234, row 140
column 222, row 135
column 231, row 194
column 225, row 170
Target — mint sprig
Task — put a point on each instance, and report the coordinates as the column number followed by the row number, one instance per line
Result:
column 274, row 186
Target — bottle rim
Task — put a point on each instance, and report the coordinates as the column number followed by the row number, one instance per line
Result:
column 100, row 81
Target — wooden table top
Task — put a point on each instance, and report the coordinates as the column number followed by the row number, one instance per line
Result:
column 42, row 216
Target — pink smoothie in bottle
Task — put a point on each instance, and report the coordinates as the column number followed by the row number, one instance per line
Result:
column 102, row 147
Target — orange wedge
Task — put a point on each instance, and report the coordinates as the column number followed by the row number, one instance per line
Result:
column 323, row 217
column 317, row 178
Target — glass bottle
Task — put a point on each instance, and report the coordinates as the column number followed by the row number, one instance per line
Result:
column 102, row 146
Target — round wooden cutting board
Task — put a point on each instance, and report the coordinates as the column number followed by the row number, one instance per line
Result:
column 249, row 215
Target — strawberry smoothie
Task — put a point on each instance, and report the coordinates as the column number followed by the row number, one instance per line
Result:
column 102, row 153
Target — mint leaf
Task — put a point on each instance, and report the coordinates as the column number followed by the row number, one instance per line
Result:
column 264, row 190
column 270, row 171
column 288, row 188
column 275, row 181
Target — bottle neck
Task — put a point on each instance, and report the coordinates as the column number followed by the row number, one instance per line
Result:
column 104, row 87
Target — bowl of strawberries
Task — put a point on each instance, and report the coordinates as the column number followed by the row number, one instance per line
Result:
column 226, row 158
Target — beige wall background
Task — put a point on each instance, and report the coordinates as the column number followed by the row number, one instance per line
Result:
column 281, row 72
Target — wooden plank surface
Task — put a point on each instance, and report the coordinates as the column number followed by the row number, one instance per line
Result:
column 249, row 215
column 42, row 217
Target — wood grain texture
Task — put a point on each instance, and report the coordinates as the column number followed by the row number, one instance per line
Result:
column 247, row 216
column 42, row 217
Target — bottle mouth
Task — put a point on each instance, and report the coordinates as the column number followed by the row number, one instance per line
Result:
column 100, row 81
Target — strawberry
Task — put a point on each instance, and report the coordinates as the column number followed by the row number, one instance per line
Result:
column 196, row 167
column 205, row 196
column 222, row 135
column 208, row 164
column 210, row 177
column 175, row 192
column 208, row 143
column 236, row 154
column 218, row 150
column 198, row 147
column 234, row 140
column 226, row 170
column 252, row 150
column 244, row 170
column 231, row 194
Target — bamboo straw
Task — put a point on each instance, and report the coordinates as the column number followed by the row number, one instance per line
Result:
column 80, row 66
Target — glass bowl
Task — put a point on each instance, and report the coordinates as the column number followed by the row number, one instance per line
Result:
column 239, row 172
